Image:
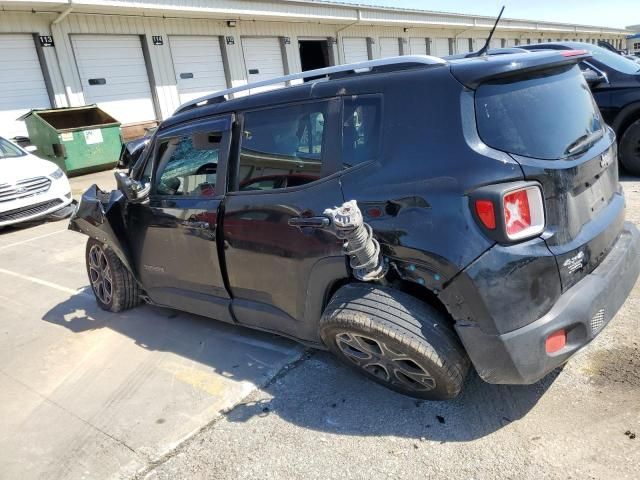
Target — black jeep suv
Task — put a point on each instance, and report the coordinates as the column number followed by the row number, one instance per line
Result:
column 410, row 215
column 615, row 83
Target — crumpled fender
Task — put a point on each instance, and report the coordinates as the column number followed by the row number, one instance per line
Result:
column 101, row 215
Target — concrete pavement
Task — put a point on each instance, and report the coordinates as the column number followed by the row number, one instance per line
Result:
column 88, row 394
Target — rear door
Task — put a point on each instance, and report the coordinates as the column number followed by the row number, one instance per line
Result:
column 174, row 236
column 283, row 173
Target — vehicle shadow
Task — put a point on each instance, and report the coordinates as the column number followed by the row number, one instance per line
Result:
column 323, row 394
column 320, row 393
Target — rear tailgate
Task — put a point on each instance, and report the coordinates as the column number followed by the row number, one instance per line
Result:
column 541, row 111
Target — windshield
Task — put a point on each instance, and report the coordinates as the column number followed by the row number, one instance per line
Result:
column 613, row 60
column 9, row 150
column 548, row 116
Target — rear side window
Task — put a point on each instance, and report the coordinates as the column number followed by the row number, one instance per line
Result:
column 540, row 116
column 361, row 122
column 282, row 147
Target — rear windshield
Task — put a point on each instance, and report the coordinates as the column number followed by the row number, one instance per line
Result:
column 543, row 116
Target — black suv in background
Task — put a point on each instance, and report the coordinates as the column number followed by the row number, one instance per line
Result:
column 479, row 221
column 615, row 83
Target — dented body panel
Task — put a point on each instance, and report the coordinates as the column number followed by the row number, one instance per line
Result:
column 102, row 215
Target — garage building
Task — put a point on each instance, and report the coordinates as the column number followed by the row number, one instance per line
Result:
column 139, row 60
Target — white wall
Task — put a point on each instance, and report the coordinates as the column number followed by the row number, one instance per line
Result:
column 67, row 88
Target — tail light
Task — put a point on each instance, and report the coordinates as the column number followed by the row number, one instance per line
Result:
column 523, row 213
column 510, row 212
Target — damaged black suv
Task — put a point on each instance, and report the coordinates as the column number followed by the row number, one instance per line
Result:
column 411, row 215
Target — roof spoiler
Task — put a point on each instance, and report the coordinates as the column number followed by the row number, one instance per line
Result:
column 472, row 72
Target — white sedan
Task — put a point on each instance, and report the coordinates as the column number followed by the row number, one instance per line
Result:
column 30, row 187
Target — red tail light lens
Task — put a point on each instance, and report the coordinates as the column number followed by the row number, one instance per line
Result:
column 523, row 213
column 486, row 213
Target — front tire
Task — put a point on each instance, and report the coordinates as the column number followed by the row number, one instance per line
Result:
column 113, row 285
column 630, row 148
column 396, row 340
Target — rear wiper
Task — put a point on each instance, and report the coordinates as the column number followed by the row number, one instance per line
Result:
column 583, row 142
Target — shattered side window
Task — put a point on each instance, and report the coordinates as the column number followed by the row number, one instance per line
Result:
column 188, row 165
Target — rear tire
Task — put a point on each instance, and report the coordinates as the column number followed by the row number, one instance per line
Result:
column 396, row 340
column 630, row 149
column 113, row 285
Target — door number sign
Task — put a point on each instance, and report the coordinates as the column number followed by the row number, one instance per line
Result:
column 46, row 41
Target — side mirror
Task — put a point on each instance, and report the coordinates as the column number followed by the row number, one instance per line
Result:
column 133, row 190
column 593, row 78
column 31, row 148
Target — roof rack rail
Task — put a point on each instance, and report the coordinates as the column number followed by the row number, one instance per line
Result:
column 401, row 62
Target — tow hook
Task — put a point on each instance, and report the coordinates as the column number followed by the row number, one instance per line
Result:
column 346, row 223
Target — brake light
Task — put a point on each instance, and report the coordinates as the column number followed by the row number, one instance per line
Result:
column 573, row 53
column 523, row 213
column 486, row 213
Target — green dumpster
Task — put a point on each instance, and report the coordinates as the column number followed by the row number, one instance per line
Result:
column 78, row 139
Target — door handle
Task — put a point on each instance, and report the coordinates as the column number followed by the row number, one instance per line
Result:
column 309, row 222
column 196, row 224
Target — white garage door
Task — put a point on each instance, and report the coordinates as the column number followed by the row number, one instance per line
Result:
column 355, row 50
column 197, row 62
column 114, row 75
column 22, row 85
column 440, row 47
column 389, row 47
column 263, row 60
column 418, row 46
column 463, row 45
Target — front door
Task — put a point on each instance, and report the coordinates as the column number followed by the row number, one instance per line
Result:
column 174, row 236
column 286, row 159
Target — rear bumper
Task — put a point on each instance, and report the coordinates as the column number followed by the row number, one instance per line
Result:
column 519, row 357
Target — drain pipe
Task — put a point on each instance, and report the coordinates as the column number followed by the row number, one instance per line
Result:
column 53, row 27
column 342, row 29
column 63, row 14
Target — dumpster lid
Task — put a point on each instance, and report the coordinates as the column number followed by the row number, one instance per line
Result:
column 73, row 118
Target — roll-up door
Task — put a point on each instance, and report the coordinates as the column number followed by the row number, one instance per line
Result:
column 355, row 50
column 198, row 65
column 389, row 47
column 22, row 85
column 440, row 47
column 263, row 60
column 114, row 76
column 463, row 45
column 418, row 46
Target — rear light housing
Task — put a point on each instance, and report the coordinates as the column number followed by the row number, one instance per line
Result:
column 510, row 212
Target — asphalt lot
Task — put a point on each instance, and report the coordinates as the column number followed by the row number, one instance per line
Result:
column 153, row 393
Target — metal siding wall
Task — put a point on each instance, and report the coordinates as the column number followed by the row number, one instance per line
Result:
column 64, row 75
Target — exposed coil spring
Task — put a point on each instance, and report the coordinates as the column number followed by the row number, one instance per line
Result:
column 362, row 248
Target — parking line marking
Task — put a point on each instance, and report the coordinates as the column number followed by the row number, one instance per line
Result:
column 32, row 239
column 45, row 283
